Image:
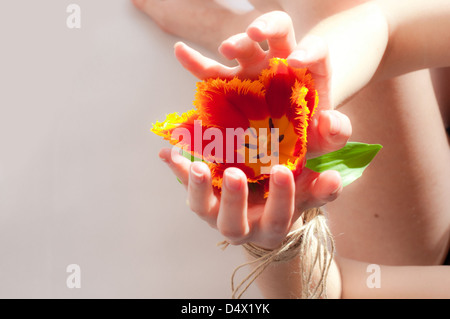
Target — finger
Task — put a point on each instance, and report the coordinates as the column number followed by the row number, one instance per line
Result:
column 335, row 128
column 177, row 163
column 314, row 189
column 201, row 197
column 276, row 220
column 275, row 27
column 240, row 47
column 326, row 188
column 329, row 131
column 232, row 219
column 199, row 65
column 311, row 52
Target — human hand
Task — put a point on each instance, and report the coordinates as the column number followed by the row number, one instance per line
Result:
column 235, row 212
column 330, row 129
column 242, row 216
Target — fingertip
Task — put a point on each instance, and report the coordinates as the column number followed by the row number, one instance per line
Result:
column 336, row 186
column 227, row 49
column 257, row 31
column 200, row 167
column 328, row 185
column 178, row 164
column 197, row 173
column 334, row 123
column 234, row 179
column 297, row 58
column 281, row 176
column 201, row 196
column 175, row 156
column 180, row 49
column 232, row 216
column 280, row 205
column 335, row 128
column 165, row 154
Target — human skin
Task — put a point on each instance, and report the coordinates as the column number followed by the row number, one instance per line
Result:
column 234, row 213
column 398, row 213
column 400, row 208
column 201, row 21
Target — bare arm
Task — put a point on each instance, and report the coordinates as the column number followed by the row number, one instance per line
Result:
column 283, row 280
column 419, row 36
column 382, row 39
column 359, row 40
column 359, row 281
column 372, row 42
column 351, row 279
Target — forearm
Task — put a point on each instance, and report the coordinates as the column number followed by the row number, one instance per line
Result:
column 350, row 279
column 282, row 280
column 357, row 39
column 389, row 282
column 419, row 36
column 381, row 39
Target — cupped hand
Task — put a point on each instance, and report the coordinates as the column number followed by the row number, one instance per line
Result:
column 330, row 129
column 266, row 222
column 240, row 220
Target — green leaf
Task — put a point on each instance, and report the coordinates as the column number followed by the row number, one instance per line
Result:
column 191, row 157
column 350, row 161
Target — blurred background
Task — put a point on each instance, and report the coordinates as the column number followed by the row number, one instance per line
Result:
column 80, row 179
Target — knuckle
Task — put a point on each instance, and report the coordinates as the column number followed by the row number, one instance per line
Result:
column 308, row 203
column 234, row 236
column 278, row 228
column 199, row 207
column 199, row 210
column 235, row 242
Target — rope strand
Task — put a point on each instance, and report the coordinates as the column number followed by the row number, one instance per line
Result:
column 313, row 242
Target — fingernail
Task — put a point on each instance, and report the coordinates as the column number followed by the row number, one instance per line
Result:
column 335, row 125
column 336, row 191
column 279, row 178
column 196, row 174
column 232, row 180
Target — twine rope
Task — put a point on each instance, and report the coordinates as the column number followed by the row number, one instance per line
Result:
column 313, row 242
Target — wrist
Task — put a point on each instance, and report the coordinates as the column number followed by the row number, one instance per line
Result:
column 310, row 246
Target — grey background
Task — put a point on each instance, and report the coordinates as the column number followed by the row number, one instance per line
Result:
column 80, row 179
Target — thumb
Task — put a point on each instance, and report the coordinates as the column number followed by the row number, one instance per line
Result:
column 312, row 53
